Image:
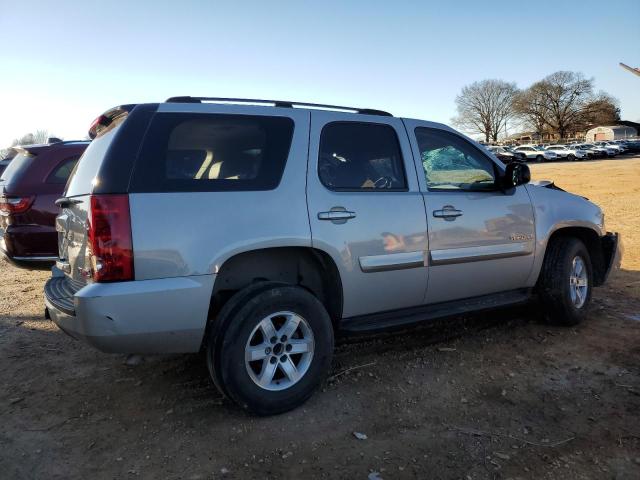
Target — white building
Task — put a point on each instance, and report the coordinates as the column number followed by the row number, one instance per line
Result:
column 614, row 132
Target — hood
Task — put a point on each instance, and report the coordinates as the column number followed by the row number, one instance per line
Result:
column 552, row 186
column 546, row 184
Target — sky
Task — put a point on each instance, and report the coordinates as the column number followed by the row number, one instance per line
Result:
column 63, row 63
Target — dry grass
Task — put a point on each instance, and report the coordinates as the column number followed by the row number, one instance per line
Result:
column 499, row 395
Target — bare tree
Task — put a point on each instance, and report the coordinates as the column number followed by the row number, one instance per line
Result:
column 562, row 103
column 530, row 108
column 40, row 136
column 603, row 109
column 485, row 107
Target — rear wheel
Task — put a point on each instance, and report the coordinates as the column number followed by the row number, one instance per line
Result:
column 565, row 281
column 273, row 350
column 220, row 323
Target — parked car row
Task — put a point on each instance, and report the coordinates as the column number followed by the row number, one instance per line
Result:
column 571, row 152
column 257, row 233
column 539, row 154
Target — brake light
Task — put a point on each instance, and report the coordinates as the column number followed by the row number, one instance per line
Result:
column 100, row 121
column 110, row 238
column 9, row 205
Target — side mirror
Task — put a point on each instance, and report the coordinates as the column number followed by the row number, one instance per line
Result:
column 516, row 173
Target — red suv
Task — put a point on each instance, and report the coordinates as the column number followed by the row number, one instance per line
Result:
column 29, row 187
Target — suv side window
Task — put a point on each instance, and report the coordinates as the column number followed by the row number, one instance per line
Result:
column 213, row 152
column 452, row 163
column 63, row 170
column 360, row 156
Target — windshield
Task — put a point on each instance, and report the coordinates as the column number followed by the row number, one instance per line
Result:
column 18, row 165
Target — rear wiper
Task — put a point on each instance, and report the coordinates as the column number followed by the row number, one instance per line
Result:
column 67, row 202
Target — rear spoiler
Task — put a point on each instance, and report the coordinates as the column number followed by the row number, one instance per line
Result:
column 102, row 123
column 27, row 149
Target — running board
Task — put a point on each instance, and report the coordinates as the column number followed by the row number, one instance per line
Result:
column 409, row 316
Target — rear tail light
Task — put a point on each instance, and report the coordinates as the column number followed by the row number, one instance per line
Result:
column 9, row 205
column 110, row 238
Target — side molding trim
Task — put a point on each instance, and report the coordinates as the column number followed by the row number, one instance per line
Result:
column 477, row 254
column 392, row 261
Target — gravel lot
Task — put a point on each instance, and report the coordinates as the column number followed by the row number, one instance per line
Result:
column 490, row 396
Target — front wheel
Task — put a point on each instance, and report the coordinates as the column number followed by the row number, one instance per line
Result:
column 566, row 281
column 274, row 351
column 539, row 158
column 571, row 157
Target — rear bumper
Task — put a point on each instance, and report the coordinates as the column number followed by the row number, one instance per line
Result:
column 29, row 263
column 612, row 250
column 29, row 243
column 166, row 315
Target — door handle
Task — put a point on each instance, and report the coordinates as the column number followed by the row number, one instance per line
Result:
column 336, row 215
column 447, row 212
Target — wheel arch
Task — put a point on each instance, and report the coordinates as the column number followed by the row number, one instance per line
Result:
column 307, row 267
column 591, row 240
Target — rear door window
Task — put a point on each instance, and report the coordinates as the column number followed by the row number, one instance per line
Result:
column 358, row 156
column 63, row 170
column 213, row 152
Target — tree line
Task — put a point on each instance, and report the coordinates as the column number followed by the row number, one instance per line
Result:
column 561, row 104
column 40, row 136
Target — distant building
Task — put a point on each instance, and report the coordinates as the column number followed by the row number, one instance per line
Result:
column 613, row 132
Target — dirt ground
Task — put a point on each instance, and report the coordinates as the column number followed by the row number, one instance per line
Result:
column 491, row 396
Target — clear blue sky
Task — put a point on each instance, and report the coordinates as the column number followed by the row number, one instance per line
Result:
column 64, row 62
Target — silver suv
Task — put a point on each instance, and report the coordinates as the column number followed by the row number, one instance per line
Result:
column 257, row 231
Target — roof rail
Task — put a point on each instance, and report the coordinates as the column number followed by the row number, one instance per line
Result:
column 278, row 103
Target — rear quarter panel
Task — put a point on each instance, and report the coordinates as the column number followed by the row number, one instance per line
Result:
column 194, row 233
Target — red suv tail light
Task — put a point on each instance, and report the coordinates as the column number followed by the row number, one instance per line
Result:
column 9, row 205
column 110, row 238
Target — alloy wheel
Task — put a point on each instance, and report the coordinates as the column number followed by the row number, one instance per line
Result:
column 279, row 351
column 578, row 282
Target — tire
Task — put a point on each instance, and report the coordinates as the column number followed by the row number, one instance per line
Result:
column 571, row 157
column 223, row 318
column 539, row 158
column 556, row 287
column 285, row 309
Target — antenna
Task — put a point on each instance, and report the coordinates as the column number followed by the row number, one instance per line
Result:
column 631, row 69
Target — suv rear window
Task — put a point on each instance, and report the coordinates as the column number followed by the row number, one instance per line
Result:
column 18, row 165
column 213, row 152
column 85, row 174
